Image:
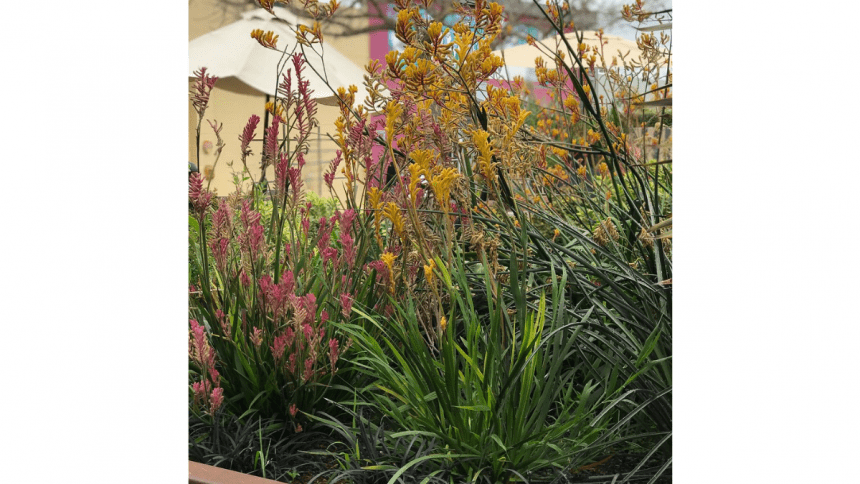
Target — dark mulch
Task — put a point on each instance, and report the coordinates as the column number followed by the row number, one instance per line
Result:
column 615, row 468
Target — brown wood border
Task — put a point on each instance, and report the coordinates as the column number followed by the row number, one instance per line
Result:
column 203, row 474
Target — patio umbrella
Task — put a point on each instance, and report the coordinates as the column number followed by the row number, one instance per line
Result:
column 231, row 52
column 524, row 55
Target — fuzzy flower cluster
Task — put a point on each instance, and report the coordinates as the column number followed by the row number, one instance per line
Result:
column 248, row 135
column 207, row 391
column 198, row 197
column 282, row 321
column 303, row 340
column 203, row 85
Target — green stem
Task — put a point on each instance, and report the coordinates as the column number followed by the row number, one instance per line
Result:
column 201, row 222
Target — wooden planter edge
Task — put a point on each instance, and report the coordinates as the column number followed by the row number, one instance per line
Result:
column 203, row 474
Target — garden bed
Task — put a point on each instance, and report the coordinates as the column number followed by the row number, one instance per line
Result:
column 486, row 303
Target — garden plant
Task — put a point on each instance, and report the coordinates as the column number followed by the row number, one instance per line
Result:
column 489, row 302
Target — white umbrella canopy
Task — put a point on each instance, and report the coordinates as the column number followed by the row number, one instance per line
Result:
column 231, row 52
column 524, row 55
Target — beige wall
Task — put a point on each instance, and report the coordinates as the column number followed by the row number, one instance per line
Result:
column 232, row 103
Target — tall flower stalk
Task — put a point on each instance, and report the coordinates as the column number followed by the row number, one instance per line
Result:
column 200, row 92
